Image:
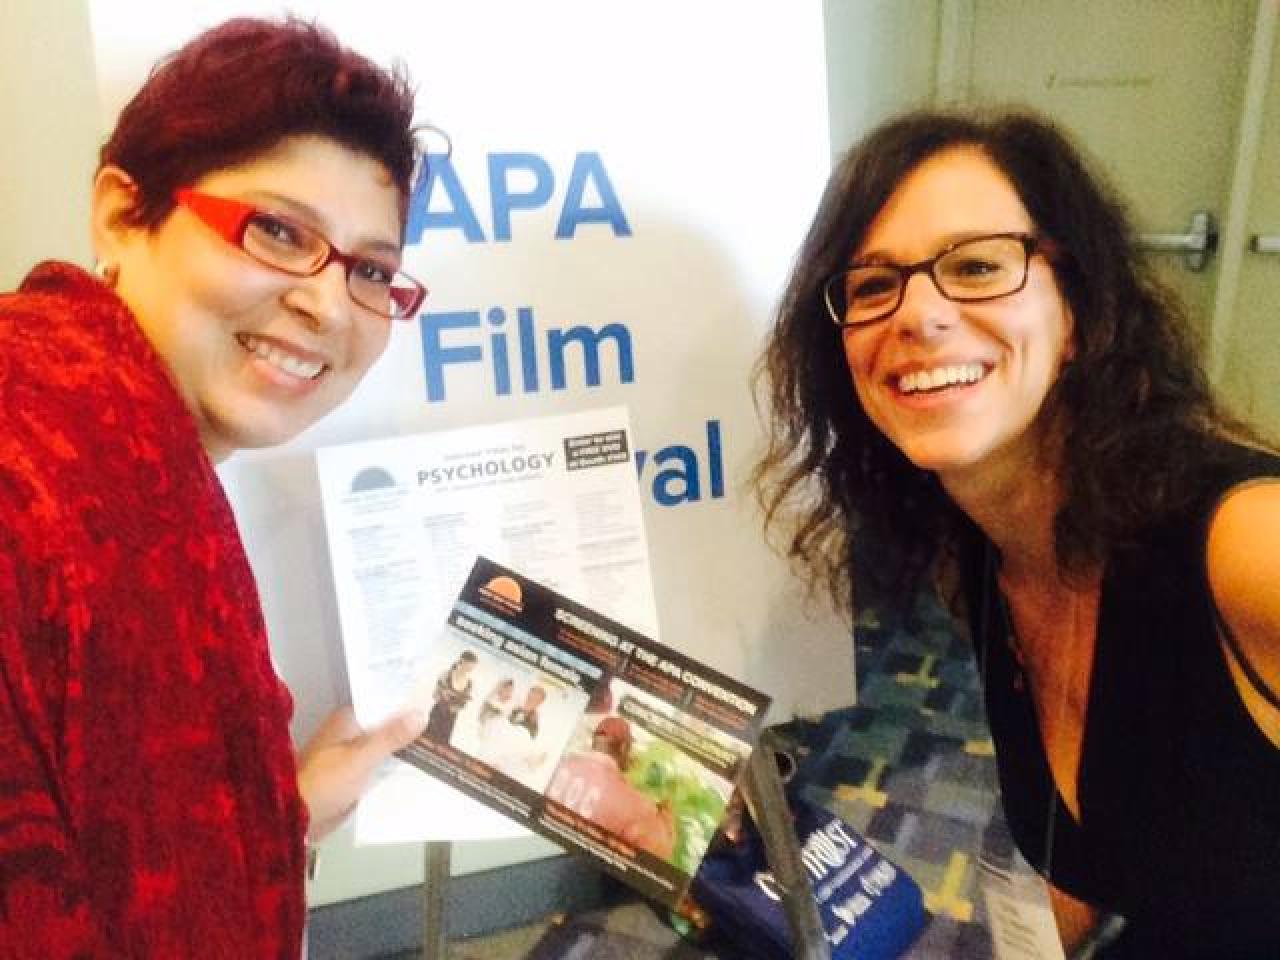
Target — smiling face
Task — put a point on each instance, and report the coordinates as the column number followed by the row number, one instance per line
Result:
column 256, row 354
column 958, row 387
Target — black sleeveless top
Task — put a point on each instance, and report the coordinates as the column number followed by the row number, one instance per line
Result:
column 1179, row 791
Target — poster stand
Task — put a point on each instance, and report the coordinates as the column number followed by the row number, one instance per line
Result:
column 767, row 803
column 435, row 879
column 766, row 800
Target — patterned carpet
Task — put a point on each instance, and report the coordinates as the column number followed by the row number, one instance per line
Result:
column 911, row 767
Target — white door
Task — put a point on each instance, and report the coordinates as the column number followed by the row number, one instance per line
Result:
column 1151, row 90
column 1247, row 358
column 1159, row 95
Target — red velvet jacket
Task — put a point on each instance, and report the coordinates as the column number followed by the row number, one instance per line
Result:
column 148, row 796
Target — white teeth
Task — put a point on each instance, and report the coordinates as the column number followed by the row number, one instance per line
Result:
column 304, row 369
column 940, row 377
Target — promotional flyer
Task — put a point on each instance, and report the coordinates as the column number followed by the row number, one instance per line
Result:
column 586, row 731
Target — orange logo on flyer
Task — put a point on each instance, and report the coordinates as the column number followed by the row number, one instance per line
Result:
column 504, row 593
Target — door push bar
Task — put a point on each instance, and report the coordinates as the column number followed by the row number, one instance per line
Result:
column 1265, row 243
column 1196, row 245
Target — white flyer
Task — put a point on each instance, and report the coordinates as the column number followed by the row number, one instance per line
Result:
column 1020, row 917
column 555, row 498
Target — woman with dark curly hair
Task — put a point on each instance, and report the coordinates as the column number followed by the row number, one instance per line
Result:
column 972, row 369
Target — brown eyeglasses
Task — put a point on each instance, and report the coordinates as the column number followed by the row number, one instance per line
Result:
column 967, row 271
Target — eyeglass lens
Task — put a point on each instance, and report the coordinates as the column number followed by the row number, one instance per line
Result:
column 298, row 250
column 980, row 269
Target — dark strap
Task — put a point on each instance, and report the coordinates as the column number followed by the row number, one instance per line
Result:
column 1249, row 670
column 1246, row 666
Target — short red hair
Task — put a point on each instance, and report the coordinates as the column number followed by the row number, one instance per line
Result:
column 238, row 89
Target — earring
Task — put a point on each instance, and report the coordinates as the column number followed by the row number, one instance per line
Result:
column 106, row 272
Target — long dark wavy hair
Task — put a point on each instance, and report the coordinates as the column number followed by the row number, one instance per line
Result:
column 1135, row 407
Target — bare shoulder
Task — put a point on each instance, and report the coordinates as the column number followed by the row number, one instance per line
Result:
column 1244, row 574
column 1244, row 557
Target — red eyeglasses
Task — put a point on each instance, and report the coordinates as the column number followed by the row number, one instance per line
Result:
column 293, row 248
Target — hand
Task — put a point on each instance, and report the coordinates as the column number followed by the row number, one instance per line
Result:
column 335, row 766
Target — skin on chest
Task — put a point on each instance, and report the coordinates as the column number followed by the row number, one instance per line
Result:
column 1054, row 637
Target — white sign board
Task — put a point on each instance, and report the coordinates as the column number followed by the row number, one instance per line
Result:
column 628, row 186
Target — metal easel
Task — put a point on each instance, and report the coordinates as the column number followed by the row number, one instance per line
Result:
column 766, row 800
column 436, row 877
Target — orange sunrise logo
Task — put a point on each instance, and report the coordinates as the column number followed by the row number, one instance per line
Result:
column 505, row 593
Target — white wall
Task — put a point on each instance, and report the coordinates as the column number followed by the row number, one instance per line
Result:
column 881, row 60
column 49, row 115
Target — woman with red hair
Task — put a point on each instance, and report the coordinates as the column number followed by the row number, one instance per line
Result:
column 247, row 218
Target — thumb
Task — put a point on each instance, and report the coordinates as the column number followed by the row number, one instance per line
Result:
column 338, row 728
column 395, row 734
